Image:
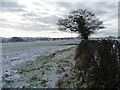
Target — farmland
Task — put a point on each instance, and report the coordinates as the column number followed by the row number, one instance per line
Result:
column 17, row 54
column 43, row 64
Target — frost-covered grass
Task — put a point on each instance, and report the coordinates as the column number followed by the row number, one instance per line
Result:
column 44, row 71
column 20, row 52
column 20, row 46
column 28, row 74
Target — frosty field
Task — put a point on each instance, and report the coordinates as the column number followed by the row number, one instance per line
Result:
column 16, row 53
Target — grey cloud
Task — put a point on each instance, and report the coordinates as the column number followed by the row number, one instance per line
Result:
column 26, row 27
column 3, row 20
column 11, row 7
column 29, row 14
column 33, row 25
column 98, row 8
column 70, row 5
column 7, row 25
column 49, row 20
column 37, row 18
column 103, row 9
column 109, row 32
column 4, row 25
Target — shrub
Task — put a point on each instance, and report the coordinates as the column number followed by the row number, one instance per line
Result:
column 99, row 62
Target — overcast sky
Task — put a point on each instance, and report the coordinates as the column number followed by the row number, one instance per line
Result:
column 38, row 18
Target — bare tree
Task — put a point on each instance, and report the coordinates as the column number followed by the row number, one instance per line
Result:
column 82, row 22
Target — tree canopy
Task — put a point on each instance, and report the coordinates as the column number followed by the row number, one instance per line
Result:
column 16, row 39
column 82, row 22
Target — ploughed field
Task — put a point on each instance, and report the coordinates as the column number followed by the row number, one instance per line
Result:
column 17, row 54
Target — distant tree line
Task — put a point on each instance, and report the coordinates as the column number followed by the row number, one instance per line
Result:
column 29, row 39
column 16, row 39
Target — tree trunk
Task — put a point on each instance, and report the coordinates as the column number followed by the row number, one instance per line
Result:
column 85, row 36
